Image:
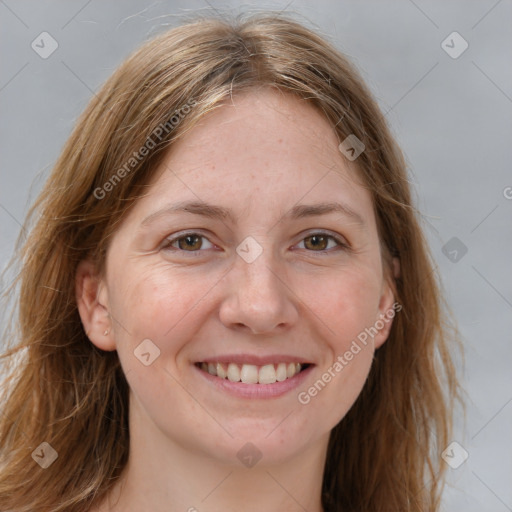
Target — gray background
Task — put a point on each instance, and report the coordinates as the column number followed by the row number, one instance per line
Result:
column 452, row 118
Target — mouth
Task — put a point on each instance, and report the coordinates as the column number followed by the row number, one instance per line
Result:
column 251, row 373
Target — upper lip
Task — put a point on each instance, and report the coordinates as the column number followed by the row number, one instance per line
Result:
column 257, row 360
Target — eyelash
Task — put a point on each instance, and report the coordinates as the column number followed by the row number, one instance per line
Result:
column 341, row 244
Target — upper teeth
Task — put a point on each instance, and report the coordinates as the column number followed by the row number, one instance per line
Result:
column 252, row 374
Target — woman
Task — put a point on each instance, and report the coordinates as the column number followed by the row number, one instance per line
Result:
column 226, row 301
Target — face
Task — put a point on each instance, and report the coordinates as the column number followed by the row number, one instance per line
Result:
column 269, row 277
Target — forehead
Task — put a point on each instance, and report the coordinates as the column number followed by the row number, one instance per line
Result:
column 260, row 146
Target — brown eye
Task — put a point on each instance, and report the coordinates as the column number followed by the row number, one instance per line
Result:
column 315, row 242
column 190, row 242
column 322, row 243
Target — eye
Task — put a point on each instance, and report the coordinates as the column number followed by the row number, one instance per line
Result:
column 194, row 242
column 190, row 242
column 322, row 242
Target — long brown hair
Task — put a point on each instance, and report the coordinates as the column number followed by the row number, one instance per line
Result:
column 60, row 389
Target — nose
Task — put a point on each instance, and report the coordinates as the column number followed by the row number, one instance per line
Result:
column 258, row 298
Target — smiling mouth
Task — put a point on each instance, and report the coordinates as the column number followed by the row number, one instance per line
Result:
column 253, row 374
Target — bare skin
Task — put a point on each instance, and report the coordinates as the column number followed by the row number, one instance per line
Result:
column 305, row 296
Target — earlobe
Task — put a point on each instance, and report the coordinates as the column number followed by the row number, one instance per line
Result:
column 385, row 320
column 387, row 306
column 92, row 302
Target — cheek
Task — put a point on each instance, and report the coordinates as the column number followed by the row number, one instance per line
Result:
column 162, row 306
column 346, row 303
column 159, row 304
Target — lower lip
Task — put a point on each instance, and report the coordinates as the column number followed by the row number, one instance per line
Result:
column 242, row 390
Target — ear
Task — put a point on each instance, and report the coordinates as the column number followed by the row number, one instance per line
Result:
column 388, row 307
column 92, row 301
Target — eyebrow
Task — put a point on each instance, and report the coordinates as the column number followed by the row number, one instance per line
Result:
column 218, row 212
